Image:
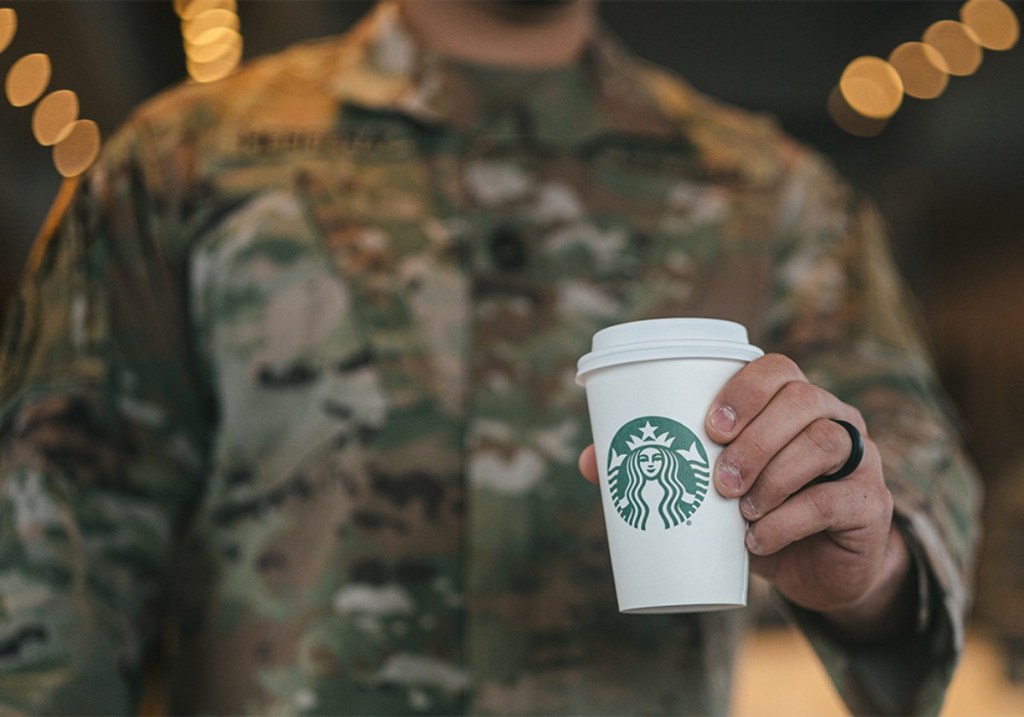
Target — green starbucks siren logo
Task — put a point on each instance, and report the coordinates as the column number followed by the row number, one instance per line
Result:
column 657, row 451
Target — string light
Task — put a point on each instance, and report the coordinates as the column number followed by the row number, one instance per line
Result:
column 55, row 122
column 211, row 37
column 865, row 97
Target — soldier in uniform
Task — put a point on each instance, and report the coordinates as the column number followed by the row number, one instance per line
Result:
column 288, row 410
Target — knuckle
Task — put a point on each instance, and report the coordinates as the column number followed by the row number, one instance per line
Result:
column 802, row 396
column 783, row 364
column 828, row 437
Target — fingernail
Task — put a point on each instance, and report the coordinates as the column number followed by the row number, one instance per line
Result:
column 751, row 542
column 724, row 419
column 748, row 509
column 728, row 477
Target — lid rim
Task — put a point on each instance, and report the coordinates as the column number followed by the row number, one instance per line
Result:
column 689, row 337
column 595, row 361
column 688, row 328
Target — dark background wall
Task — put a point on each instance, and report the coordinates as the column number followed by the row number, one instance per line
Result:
column 947, row 173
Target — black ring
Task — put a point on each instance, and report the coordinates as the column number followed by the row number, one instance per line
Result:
column 856, row 452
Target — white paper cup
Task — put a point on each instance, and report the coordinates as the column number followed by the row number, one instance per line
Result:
column 676, row 544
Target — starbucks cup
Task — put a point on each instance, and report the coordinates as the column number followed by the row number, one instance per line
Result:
column 676, row 545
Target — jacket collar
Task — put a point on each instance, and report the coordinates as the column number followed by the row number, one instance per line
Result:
column 383, row 66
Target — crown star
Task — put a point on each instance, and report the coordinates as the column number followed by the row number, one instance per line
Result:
column 647, row 432
column 648, row 436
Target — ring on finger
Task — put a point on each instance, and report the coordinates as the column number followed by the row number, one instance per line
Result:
column 856, row 452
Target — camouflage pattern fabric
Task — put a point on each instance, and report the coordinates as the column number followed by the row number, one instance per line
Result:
column 288, row 406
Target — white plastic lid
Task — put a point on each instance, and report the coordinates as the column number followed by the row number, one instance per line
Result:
column 657, row 339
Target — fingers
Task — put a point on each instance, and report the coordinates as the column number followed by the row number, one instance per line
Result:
column 851, row 510
column 747, row 393
column 778, row 439
column 818, row 449
column 774, row 424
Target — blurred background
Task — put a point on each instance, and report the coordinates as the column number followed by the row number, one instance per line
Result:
column 947, row 172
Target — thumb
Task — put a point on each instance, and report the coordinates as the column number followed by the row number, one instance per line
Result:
column 588, row 463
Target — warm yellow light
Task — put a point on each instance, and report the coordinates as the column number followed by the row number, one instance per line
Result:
column 8, row 26
column 27, row 79
column 993, row 22
column 958, row 45
column 78, row 150
column 214, row 36
column 54, row 116
column 194, row 28
column 188, row 9
column 219, row 67
column 214, row 44
column 849, row 119
column 922, row 69
column 872, row 87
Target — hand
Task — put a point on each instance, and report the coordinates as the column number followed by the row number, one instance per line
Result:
column 829, row 547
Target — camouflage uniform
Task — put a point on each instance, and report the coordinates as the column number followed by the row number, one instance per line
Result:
column 288, row 401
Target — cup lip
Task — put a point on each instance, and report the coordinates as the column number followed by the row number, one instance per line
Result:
column 715, row 339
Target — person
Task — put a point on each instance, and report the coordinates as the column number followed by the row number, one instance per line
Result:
column 289, row 417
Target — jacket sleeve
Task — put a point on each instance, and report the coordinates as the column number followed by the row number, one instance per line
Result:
column 101, row 449
column 842, row 313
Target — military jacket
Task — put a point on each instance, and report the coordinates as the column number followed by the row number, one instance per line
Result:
column 288, row 403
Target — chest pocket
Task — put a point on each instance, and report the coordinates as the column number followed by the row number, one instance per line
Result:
column 330, row 313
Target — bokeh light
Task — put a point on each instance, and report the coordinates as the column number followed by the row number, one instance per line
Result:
column 8, row 26
column 993, row 22
column 213, row 43
column 217, row 67
column 872, row 87
column 958, row 45
column 27, row 79
column 193, row 29
column 78, row 150
column 188, row 9
column 54, row 116
column 922, row 69
column 55, row 122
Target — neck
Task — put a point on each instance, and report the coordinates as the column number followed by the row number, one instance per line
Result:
column 502, row 32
